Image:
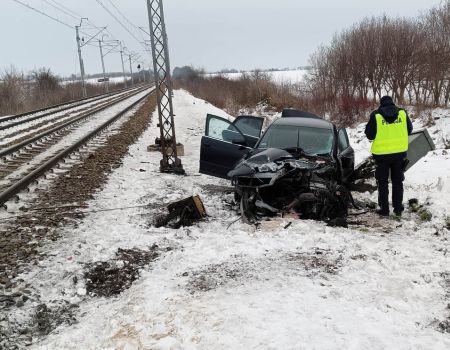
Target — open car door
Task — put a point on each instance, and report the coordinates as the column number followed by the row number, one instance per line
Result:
column 250, row 127
column 224, row 144
column 346, row 154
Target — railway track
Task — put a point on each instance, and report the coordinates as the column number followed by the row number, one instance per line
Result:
column 34, row 154
column 17, row 126
column 59, row 107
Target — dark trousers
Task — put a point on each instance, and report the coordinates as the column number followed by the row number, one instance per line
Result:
column 392, row 163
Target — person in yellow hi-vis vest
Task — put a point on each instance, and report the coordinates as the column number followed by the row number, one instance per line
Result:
column 388, row 128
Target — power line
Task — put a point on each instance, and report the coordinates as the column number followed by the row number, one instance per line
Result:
column 44, row 14
column 48, row 16
column 131, row 24
column 66, row 8
column 61, row 9
column 123, row 16
column 118, row 20
column 71, row 13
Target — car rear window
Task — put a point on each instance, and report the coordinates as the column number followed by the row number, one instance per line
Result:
column 311, row 140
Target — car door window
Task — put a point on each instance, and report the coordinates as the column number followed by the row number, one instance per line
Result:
column 249, row 125
column 221, row 129
column 343, row 142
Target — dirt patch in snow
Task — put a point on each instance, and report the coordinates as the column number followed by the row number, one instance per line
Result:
column 215, row 276
column 110, row 278
column 314, row 263
column 104, row 279
column 44, row 318
column 310, row 264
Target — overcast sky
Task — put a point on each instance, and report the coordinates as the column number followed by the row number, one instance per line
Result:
column 213, row 34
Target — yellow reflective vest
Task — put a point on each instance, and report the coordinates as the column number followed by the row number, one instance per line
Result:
column 391, row 137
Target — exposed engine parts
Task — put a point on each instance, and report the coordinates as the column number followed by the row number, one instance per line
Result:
column 275, row 183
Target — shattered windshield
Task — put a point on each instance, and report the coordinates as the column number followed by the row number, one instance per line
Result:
column 310, row 140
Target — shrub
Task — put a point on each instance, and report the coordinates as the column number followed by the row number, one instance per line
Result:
column 40, row 89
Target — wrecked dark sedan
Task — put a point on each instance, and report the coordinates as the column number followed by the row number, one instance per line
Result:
column 300, row 165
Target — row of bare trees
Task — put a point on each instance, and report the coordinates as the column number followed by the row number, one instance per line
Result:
column 406, row 58
column 251, row 90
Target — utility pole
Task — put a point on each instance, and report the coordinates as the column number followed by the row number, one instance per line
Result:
column 83, row 83
column 123, row 67
column 105, row 82
column 80, row 45
column 131, row 70
column 170, row 162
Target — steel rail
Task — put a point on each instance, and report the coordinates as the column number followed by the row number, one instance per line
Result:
column 22, row 144
column 71, row 102
column 50, row 163
column 104, row 96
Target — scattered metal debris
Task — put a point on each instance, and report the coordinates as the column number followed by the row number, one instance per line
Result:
column 182, row 213
column 306, row 187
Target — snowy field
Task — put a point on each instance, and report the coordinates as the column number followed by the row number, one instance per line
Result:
column 225, row 285
column 294, row 76
column 94, row 81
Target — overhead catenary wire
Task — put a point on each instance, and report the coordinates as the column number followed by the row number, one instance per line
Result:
column 121, row 13
column 62, row 6
column 44, row 14
column 130, row 23
column 119, row 21
column 139, row 30
column 61, row 9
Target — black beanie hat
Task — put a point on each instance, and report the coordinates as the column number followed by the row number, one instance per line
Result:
column 386, row 101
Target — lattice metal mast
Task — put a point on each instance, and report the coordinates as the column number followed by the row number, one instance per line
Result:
column 161, row 65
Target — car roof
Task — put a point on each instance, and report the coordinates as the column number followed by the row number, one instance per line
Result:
column 302, row 121
column 290, row 112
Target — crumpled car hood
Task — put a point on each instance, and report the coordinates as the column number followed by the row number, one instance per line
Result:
column 276, row 182
column 270, row 160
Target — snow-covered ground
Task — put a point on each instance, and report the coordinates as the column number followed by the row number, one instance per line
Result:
column 293, row 76
column 225, row 285
column 94, row 81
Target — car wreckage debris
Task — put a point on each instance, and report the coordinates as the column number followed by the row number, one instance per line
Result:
column 276, row 183
column 182, row 213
